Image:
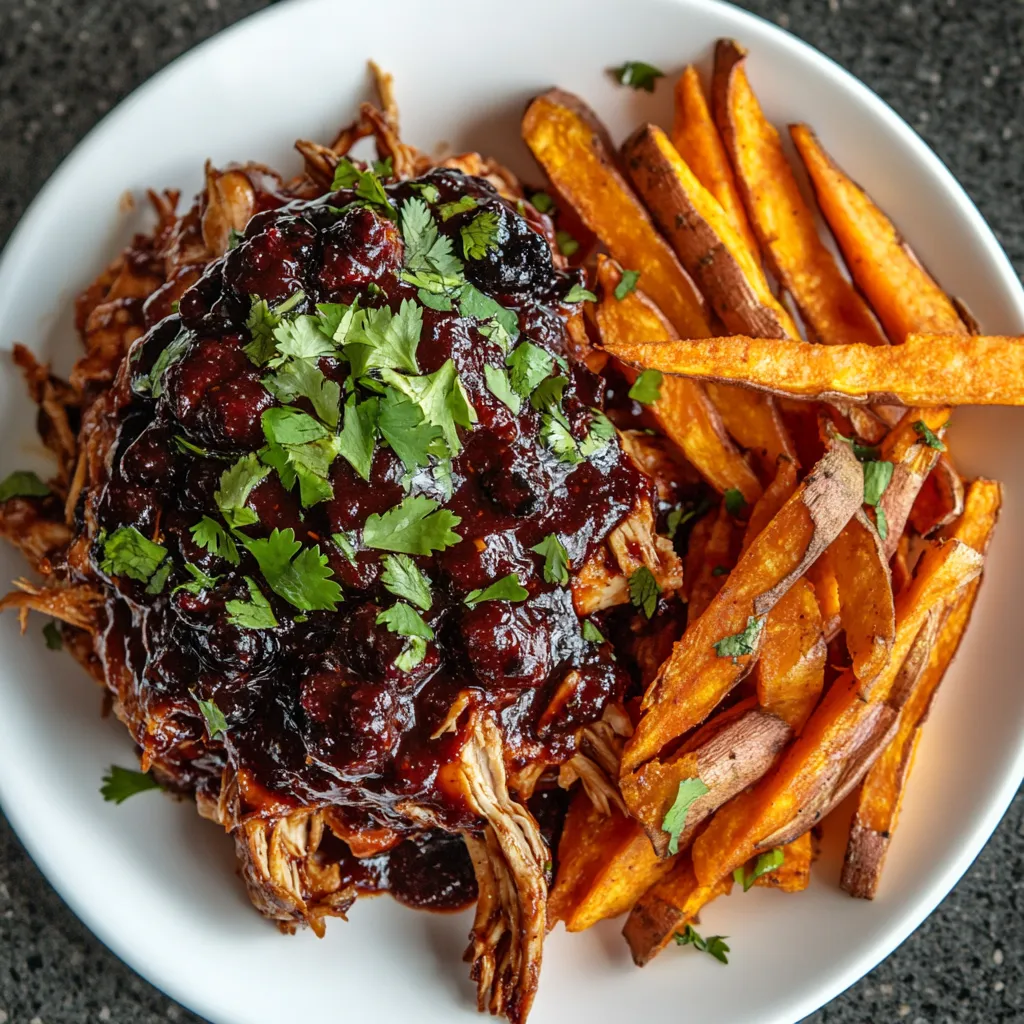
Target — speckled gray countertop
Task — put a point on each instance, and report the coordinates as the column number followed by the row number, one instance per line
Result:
column 952, row 68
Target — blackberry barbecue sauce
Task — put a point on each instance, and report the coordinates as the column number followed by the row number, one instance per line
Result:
column 332, row 466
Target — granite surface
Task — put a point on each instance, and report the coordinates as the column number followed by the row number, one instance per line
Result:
column 952, row 68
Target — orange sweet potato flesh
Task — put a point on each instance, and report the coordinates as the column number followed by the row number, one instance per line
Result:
column 790, row 673
column 684, row 411
column 776, row 494
column 866, row 605
column 604, row 864
column 881, row 794
column 794, row 874
column 902, row 293
column 574, row 149
column 717, row 558
column 710, row 248
column 694, row 679
column 929, row 370
column 696, row 137
column 783, row 222
column 940, row 500
column 844, row 735
column 667, row 908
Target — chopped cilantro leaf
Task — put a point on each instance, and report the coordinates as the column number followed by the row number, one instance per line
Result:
column 876, row 479
column 415, row 527
column 291, row 426
column 567, row 245
column 442, row 399
column 714, row 945
column 358, row 433
column 409, row 435
column 508, row 588
column 556, row 559
column 627, row 284
column 475, row 305
column 153, row 382
column 301, row 338
column 734, row 501
column 183, row 444
column 120, row 783
column 646, row 388
column 441, row 303
column 52, row 636
column 236, row 484
column 253, row 614
column 126, row 552
column 592, row 633
column 261, row 323
column 480, row 235
column 556, row 435
column 863, row 452
column 683, row 514
column 549, row 393
column 366, row 183
column 577, row 293
column 22, row 483
column 542, row 202
column 675, row 817
column 429, row 192
column 498, row 384
column 720, row 570
column 602, row 430
column 200, row 580
column 529, row 365
column 347, row 544
column 929, row 436
column 300, row 575
column 302, row 378
column 212, row 537
column 384, row 168
column 739, row 644
column 449, row 210
column 644, row 591
column 767, row 862
column 637, row 75
column 430, row 263
column 405, row 579
column 881, row 522
column 216, row 723
column 381, row 339
column 404, row 620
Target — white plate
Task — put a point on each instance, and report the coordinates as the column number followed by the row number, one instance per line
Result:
column 156, row 883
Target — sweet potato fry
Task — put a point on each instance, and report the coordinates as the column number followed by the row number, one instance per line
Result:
column 717, row 561
column 703, row 237
column 902, row 293
column 684, row 411
column 718, row 650
column 927, row 370
column 866, row 606
column 791, row 670
column 776, row 494
column 794, row 874
column 783, row 222
column 844, row 735
column 731, row 752
column 574, row 148
column 667, row 908
column 881, row 795
column 696, row 137
column 940, row 500
column 753, row 419
column 604, row 864
column 822, row 576
column 913, row 459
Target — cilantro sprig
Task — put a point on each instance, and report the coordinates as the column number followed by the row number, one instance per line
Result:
column 22, row 483
column 556, row 559
column 644, row 591
column 675, row 817
column 637, row 74
column 766, row 863
column 418, row 526
column 121, row 783
column 745, row 642
column 646, row 388
column 713, row 945
column 508, row 588
column 404, row 578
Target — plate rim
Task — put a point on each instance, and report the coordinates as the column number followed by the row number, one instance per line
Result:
column 824, row 987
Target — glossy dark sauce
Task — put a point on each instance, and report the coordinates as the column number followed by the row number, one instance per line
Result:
column 317, row 712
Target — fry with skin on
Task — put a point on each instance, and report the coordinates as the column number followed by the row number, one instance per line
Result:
column 783, row 222
column 667, row 908
column 703, row 237
column 695, row 678
column 684, row 412
column 695, row 135
column 928, row 370
column 574, row 149
column 844, row 735
column 776, row 494
column 881, row 794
